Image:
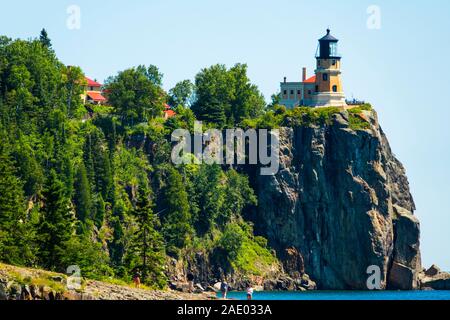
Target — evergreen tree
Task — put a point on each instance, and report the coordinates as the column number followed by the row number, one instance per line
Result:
column 83, row 198
column 16, row 233
column 56, row 224
column 98, row 165
column 44, row 39
column 100, row 211
column 147, row 249
column 176, row 223
column 209, row 196
column 237, row 195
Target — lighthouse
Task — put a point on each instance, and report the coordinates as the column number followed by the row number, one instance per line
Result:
column 328, row 87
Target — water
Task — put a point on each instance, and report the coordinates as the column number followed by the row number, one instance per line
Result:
column 344, row 295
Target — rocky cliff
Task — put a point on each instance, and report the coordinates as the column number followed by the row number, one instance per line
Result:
column 341, row 200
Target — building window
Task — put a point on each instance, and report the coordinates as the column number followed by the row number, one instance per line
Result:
column 334, row 88
column 317, row 88
column 309, row 91
column 292, row 92
column 299, row 92
column 285, row 92
column 325, row 77
column 334, row 62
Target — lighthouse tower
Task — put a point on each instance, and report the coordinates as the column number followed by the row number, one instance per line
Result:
column 328, row 86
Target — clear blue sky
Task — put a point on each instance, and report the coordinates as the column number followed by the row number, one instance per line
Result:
column 402, row 68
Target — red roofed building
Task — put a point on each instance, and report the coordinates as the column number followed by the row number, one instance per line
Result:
column 93, row 92
column 310, row 80
column 93, row 85
column 294, row 94
column 168, row 112
column 95, row 97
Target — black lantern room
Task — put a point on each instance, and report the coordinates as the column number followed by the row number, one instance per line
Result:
column 328, row 48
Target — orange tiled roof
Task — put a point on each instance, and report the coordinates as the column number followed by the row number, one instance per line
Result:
column 96, row 96
column 92, row 83
column 170, row 113
column 311, row 80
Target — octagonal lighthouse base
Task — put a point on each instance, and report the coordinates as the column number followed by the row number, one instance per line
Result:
column 329, row 99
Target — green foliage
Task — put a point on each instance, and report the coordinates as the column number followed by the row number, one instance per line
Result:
column 56, row 225
column 226, row 97
column 88, row 255
column 184, row 119
column 176, row 216
column 16, row 233
column 44, row 39
column 312, row 116
column 34, row 83
column 83, row 197
column 357, row 120
column 244, row 253
column 181, row 94
column 136, row 94
column 277, row 116
column 146, row 251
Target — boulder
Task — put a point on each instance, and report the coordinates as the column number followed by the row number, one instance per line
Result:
column 35, row 293
column 406, row 265
column 432, row 271
column 15, row 290
column 437, row 284
column 198, row 286
column 307, row 284
column 3, row 295
column 211, row 289
column 26, row 293
column 47, row 293
column 217, row 286
column 71, row 295
column 181, row 286
column 293, row 262
column 401, row 277
column 439, row 281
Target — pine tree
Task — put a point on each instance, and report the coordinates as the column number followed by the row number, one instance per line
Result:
column 56, row 225
column 16, row 233
column 44, row 39
column 177, row 218
column 83, row 198
column 147, row 249
column 100, row 211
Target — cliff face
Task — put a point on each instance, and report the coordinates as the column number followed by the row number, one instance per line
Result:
column 341, row 199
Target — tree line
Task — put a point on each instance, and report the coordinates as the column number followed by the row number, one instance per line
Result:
column 101, row 192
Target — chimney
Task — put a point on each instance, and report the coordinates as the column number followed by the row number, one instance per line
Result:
column 304, row 75
column 285, row 79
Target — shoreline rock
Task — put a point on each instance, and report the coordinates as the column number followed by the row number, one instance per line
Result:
column 12, row 287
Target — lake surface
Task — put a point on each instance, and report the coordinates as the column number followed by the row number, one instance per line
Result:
column 345, row 295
